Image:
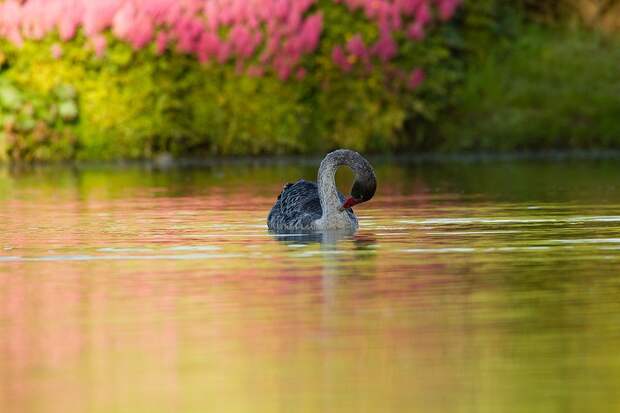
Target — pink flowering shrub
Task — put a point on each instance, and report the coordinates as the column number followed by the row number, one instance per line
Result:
column 257, row 35
column 230, row 76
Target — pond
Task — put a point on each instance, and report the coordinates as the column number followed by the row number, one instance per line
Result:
column 471, row 286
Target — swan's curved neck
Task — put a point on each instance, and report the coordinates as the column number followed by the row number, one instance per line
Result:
column 326, row 181
column 332, row 218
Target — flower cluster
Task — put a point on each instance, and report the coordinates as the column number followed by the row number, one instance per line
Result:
column 257, row 35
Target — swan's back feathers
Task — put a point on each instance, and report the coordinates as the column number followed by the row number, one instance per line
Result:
column 297, row 207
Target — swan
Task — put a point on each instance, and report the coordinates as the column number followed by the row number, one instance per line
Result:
column 309, row 206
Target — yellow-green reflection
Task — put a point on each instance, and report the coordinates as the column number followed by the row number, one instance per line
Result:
column 149, row 291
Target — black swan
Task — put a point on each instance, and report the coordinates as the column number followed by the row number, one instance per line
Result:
column 307, row 206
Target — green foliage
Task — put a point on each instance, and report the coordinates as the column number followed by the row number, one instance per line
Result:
column 494, row 81
column 548, row 89
column 135, row 104
column 35, row 127
column 244, row 115
column 569, row 11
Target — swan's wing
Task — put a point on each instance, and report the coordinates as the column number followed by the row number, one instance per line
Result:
column 298, row 205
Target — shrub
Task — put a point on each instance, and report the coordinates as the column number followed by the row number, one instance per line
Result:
column 547, row 89
column 35, row 127
column 227, row 77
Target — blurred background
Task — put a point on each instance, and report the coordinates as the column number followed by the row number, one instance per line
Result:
column 116, row 79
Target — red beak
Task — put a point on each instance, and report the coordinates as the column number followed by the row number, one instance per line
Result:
column 349, row 203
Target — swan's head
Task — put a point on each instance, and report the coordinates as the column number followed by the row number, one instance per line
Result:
column 363, row 188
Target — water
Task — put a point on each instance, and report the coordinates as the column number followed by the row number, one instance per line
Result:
column 470, row 287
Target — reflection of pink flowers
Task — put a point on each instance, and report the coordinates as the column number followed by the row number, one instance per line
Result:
column 275, row 33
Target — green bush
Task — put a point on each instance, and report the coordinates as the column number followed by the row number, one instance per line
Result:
column 547, row 89
column 36, row 127
column 495, row 80
column 136, row 104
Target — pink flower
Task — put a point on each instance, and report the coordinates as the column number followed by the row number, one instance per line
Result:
column 293, row 22
column 255, row 71
column 283, row 67
column 15, row 37
column 408, row 7
column 356, row 46
column 223, row 52
column 447, row 8
column 157, row 9
column 123, row 21
column 141, row 32
column 98, row 15
column 241, row 41
column 209, row 44
column 386, row 48
column 161, row 42
column 340, row 59
column 211, row 14
column 423, row 14
column 281, row 9
column 277, row 33
column 67, row 27
column 99, row 43
column 311, row 32
column 301, row 73
column 56, row 50
column 416, row 77
column 416, row 31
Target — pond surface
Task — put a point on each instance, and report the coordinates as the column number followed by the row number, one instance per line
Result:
column 470, row 287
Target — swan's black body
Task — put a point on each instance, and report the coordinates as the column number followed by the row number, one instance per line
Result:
column 309, row 206
column 298, row 206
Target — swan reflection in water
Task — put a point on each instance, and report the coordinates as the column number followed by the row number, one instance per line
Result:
column 334, row 259
column 329, row 240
